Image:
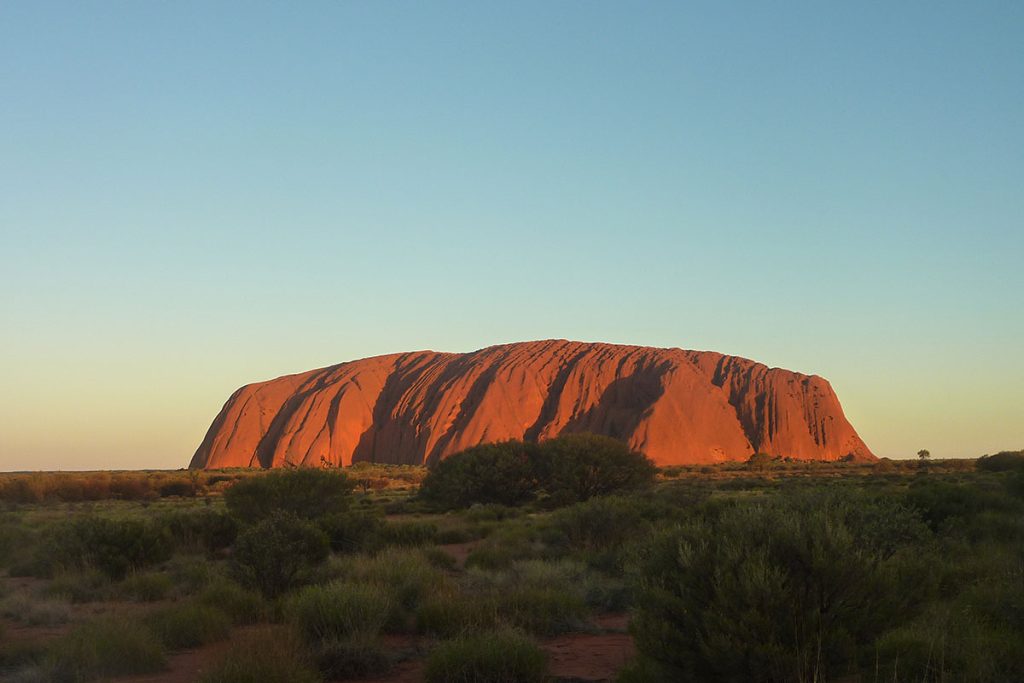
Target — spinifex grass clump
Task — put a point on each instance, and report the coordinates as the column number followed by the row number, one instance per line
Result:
column 243, row 606
column 492, row 657
column 269, row 655
column 146, row 586
column 341, row 623
column 538, row 597
column 188, row 625
column 105, row 647
column 340, row 610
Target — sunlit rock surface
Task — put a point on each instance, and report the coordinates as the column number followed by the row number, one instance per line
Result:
column 678, row 407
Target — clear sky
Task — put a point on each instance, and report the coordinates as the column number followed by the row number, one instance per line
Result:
column 196, row 195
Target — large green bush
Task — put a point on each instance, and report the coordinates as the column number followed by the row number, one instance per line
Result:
column 502, row 473
column 794, row 589
column 113, row 546
column 569, row 469
column 200, row 529
column 272, row 555
column 1002, row 461
column 304, row 492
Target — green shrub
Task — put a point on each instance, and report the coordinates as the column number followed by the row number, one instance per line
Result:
column 272, row 555
column 14, row 538
column 407, row 533
column 449, row 614
column 542, row 611
column 787, row 590
column 498, row 657
column 344, row 659
column 105, row 647
column 544, row 598
column 200, row 529
column 942, row 502
column 191, row 573
column 113, row 546
column 23, row 608
column 83, row 585
column 306, row 493
column 947, row 644
column 243, row 606
column 570, row 468
column 188, row 625
column 351, row 532
column 271, row 655
column 578, row 467
column 341, row 611
column 407, row 575
column 146, row 586
column 502, row 473
column 1002, row 461
column 599, row 524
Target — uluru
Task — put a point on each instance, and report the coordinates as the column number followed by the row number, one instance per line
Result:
column 676, row 406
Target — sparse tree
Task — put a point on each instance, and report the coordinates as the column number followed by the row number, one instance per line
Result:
column 924, row 454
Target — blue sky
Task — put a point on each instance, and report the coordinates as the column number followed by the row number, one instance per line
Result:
column 198, row 195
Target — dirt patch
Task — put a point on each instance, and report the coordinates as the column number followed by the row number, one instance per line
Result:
column 588, row 657
column 616, row 622
column 409, row 671
column 459, row 551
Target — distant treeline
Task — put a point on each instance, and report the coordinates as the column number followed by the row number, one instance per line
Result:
column 74, row 487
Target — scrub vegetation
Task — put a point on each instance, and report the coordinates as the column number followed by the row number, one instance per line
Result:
column 491, row 564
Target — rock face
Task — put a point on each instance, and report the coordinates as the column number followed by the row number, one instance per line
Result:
column 678, row 407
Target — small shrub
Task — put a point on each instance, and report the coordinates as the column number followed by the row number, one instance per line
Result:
column 146, row 586
column 200, row 529
column 498, row 657
column 271, row 655
column 243, row 606
column 786, row 590
column 113, row 546
column 306, row 493
column 449, row 614
column 340, row 611
column 272, row 555
column 84, row 585
column 105, row 647
column 189, row 625
column 25, row 609
column 407, row 533
column 344, row 659
column 407, row 575
column 351, row 532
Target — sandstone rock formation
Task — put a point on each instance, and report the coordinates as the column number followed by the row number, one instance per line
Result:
column 678, row 407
